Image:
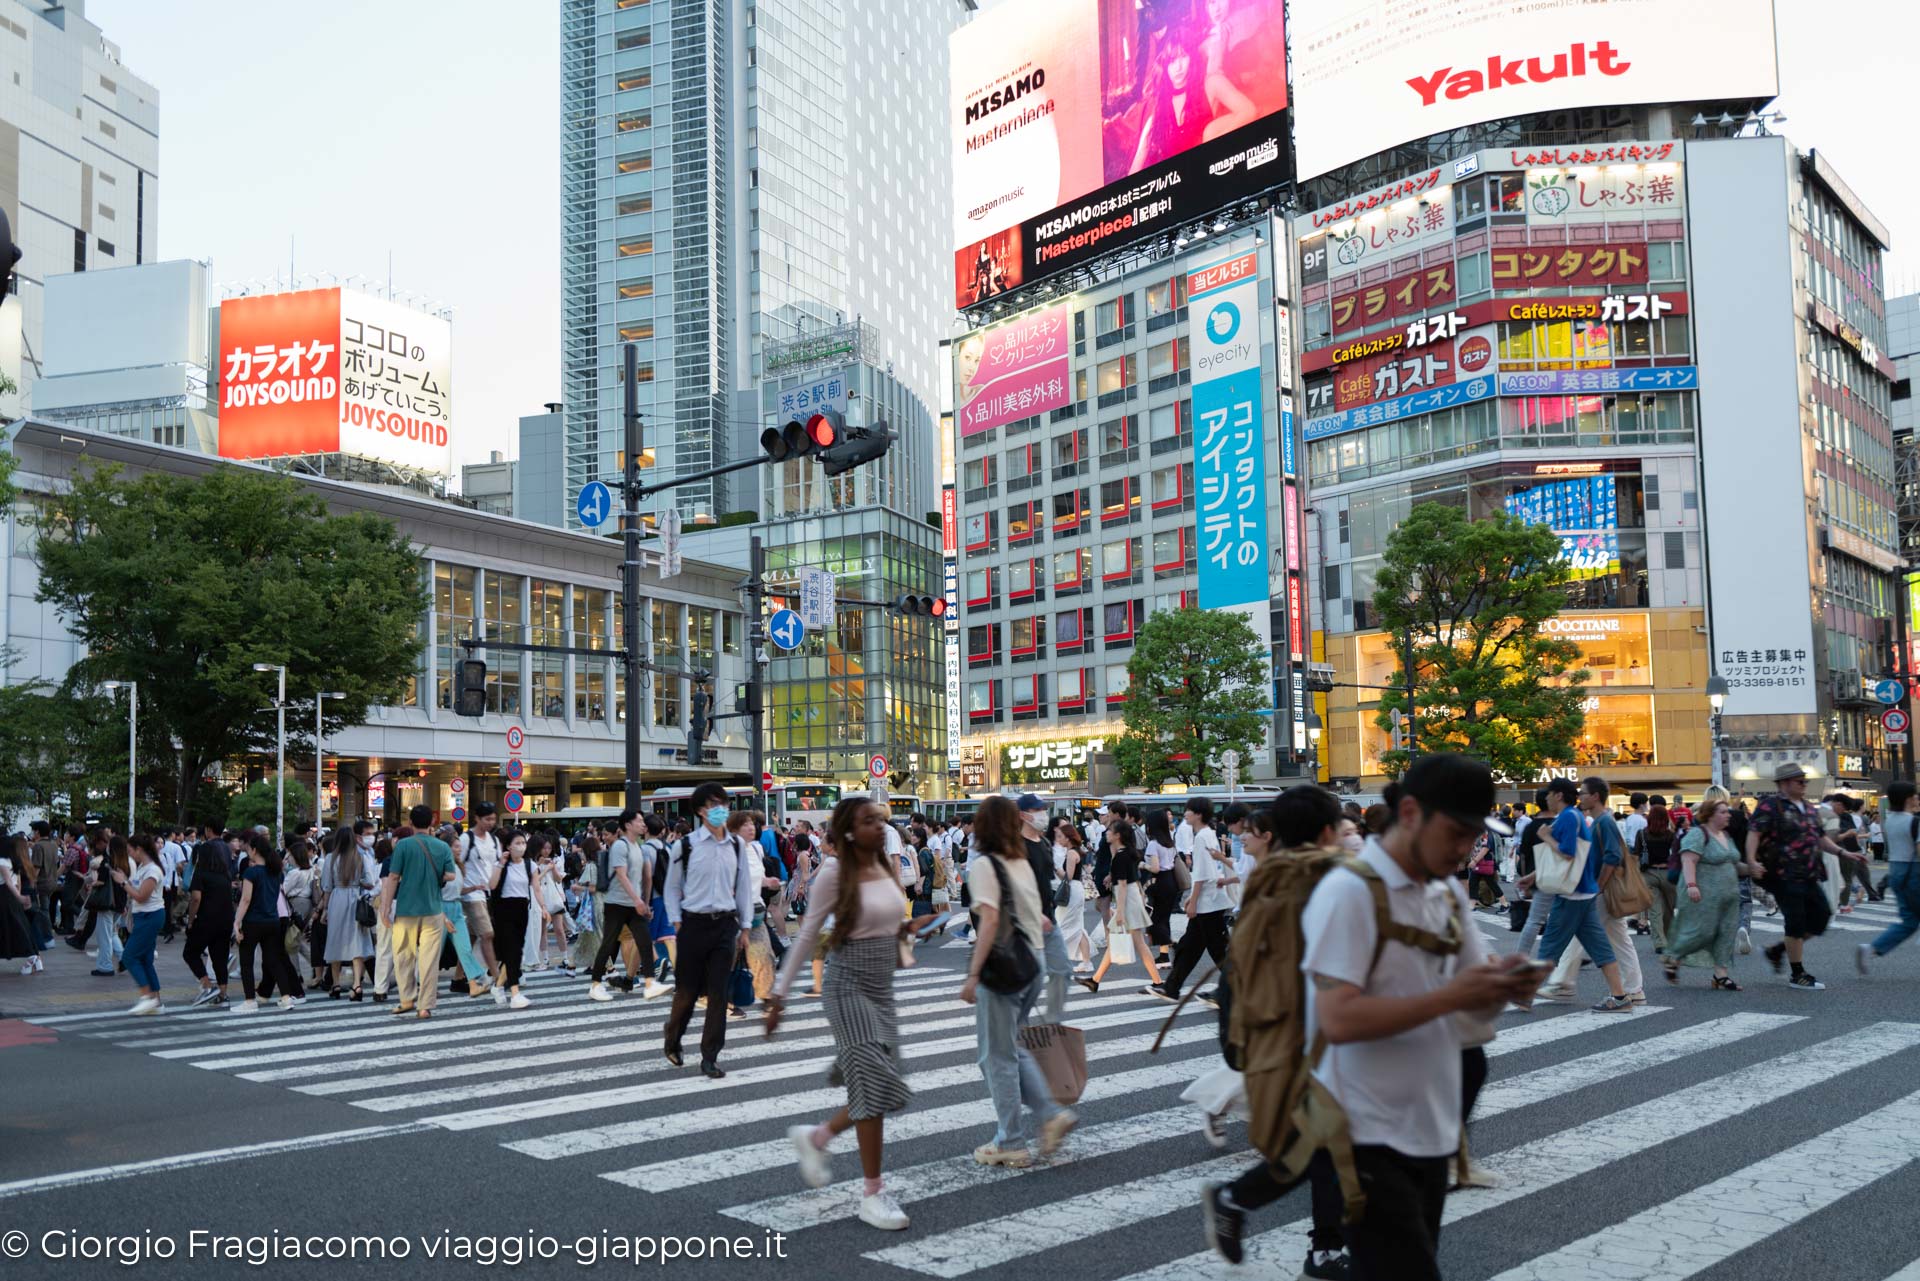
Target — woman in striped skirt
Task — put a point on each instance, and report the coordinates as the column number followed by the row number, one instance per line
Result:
column 859, row 887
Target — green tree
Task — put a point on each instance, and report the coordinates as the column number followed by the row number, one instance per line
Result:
column 252, row 806
column 184, row 583
column 64, row 754
column 1469, row 600
column 1196, row 682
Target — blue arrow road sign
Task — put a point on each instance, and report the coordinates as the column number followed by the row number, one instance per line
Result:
column 787, row 630
column 1888, row 692
column 595, row 504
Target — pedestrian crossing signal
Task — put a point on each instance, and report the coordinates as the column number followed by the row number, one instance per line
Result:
column 470, row 687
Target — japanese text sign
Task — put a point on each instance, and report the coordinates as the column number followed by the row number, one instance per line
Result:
column 1015, row 370
column 1229, row 468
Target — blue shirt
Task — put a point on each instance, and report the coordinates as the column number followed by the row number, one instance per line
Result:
column 1568, row 829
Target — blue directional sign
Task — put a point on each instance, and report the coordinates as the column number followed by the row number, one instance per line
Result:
column 1888, row 691
column 594, row 504
column 786, row 629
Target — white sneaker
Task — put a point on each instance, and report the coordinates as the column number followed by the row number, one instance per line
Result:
column 518, row 1002
column 1554, row 995
column 599, row 992
column 286, row 1002
column 33, row 966
column 1474, row 1175
column 1743, row 943
column 499, row 995
column 654, row 988
column 145, row 1005
column 816, row 1169
column 881, row 1211
column 1055, row 1129
column 248, row 1006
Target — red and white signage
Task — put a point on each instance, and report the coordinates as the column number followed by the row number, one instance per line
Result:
column 516, row 738
column 1367, row 76
column 1474, row 354
column 1894, row 721
column 326, row 371
column 877, row 767
column 766, row 780
column 457, row 786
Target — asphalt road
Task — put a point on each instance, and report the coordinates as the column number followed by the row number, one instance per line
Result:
column 1770, row 1134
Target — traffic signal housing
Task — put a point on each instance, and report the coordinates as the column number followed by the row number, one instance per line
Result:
column 803, row 437
column 9, row 256
column 857, row 445
column 698, row 725
column 912, row 606
column 470, row 687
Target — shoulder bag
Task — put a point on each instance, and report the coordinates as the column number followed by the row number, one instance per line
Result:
column 1011, row 965
column 1554, row 872
column 1626, row 891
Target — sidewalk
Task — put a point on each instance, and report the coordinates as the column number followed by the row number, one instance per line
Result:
column 67, row 988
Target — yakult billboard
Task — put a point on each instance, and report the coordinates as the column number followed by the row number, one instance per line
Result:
column 1080, row 125
column 325, row 371
column 1368, row 76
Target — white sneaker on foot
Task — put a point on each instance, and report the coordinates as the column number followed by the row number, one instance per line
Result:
column 248, row 1006
column 816, row 1170
column 1743, row 943
column 286, row 1002
column 653, row 989
column 519, row 1002
column 881, row 1211
column 145, row 1005
column 499, row 995
column 599, row 992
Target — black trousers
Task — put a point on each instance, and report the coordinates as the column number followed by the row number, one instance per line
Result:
column 1163, row 900
column 216, row 942
column 708, row 942
column 270, row 939
column 510, row 935
column 1205, row 932
column 1399, row 1237
column 621, row 917
column 1260, row 1187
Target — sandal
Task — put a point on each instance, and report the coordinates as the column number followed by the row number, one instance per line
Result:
column 1726, row 984
column 1672, row 971
column 356, row 992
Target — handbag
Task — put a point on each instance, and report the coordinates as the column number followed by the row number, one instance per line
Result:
column 1554, row 872
column 363, row 914
column 1061, row 1054
column 741, row 990
column 1011, row 966
column 100, row 897
column 1626, row 891
column 1182, row 876
column 292, row 939
column 1120, row 949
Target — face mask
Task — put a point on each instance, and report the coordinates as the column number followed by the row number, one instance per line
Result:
column 366, row 842
column 1351, row 842
column 717, row 816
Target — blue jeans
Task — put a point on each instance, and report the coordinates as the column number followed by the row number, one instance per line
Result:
column 456, row 915
column 1903, row 882
column 1058, row 970
column 1011, row 1074
column 1576, row 918
column 106, row 941
column 142, row 937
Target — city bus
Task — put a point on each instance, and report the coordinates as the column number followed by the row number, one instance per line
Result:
column 786, row 802
column 1174, row 804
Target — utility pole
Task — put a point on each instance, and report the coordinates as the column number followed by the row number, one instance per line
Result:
column 1413, row 744
column 757, row 667
column 634, row 662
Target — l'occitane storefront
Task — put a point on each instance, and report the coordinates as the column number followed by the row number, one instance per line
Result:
column 1646, row 705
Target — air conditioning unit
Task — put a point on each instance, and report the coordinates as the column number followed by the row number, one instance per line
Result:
column 1846, row 685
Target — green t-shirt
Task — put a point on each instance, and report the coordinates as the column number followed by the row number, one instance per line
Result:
column 420, row 862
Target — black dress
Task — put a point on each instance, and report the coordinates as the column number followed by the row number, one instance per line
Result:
column 16, row 936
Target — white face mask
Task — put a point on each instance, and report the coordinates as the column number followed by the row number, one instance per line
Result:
column 1351, row 842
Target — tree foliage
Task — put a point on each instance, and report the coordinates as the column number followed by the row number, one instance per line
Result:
column 1469, row 600
column 1196, row 682
column 252, row 806
column 184, row 583
column 64, row 754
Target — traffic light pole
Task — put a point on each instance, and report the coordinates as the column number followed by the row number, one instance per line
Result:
column 630, row 571
column 757, row 667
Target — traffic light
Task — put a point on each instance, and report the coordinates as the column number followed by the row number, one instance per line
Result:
column 746, row 698
column 9, row 256
column 802, row 437
column 470, row 687
column 698, row 725
column 856, row 446
column 920, row 606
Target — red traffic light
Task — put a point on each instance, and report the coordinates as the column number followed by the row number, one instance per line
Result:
column 939, row 609
column 822, row 431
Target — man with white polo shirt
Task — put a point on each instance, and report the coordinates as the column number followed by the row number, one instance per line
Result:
column 1392, row 1059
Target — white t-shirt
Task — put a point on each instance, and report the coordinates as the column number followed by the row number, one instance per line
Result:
column 1401, row 1091
column 513, row 880
column 172, row 855
column 156, row 901
column 983, row 881
column 476, row 868
column 1630, row 828
column 1182, row 838
column 1207, row 873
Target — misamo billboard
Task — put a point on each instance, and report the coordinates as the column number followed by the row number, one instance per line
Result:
column 1369, row 76
column 325, row 371
column 1080, row 125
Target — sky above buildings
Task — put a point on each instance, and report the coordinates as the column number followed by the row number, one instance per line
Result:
column 346, row 136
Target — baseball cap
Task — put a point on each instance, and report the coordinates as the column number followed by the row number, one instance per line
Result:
column 1029, row 803
column 1458, row 786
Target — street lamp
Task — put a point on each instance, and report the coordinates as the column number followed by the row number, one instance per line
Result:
column 280, row 754
column 133, row 737
column 1717, row 700
column 320, row 755
column 1313, row 741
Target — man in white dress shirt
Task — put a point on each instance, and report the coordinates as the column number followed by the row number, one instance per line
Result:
column 713, row 881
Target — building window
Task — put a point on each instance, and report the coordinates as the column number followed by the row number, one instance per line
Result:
column 1167, row 359
column 1169, row 550
column 502, row 619
column 983, row 698
column 628, row 121
column 1168, row 486
column 108, row 129
column 1073, row 688
column 634, row 162
column 1118, row 500
column 1028, row 636
column 979, row 587
column 1117, row 559
column 1118, row 682
column 1114, row 375
column 667, row 648
column 1166, row 296
column 1117, row 434
column 1169, row 422
column 1071, row 570
column 635, row 247
column 639, row 331
column 1021, row 579
column 634, row 205
column 452, row 620
column 1116, row 313
column 547, row 689
column 1026, row 692
column 636, row 288
column 1069, row 509
column 1119, row 622
column 636, row 79
column 1069, row 447
column 1022, row 518
column 639, row 39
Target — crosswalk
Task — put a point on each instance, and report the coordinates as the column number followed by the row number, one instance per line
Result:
column 1772, row 1111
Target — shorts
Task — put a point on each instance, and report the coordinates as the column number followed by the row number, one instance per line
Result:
column 479, row 923
column 1804, row 912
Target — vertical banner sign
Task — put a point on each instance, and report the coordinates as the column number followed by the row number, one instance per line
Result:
column 1229, row 475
